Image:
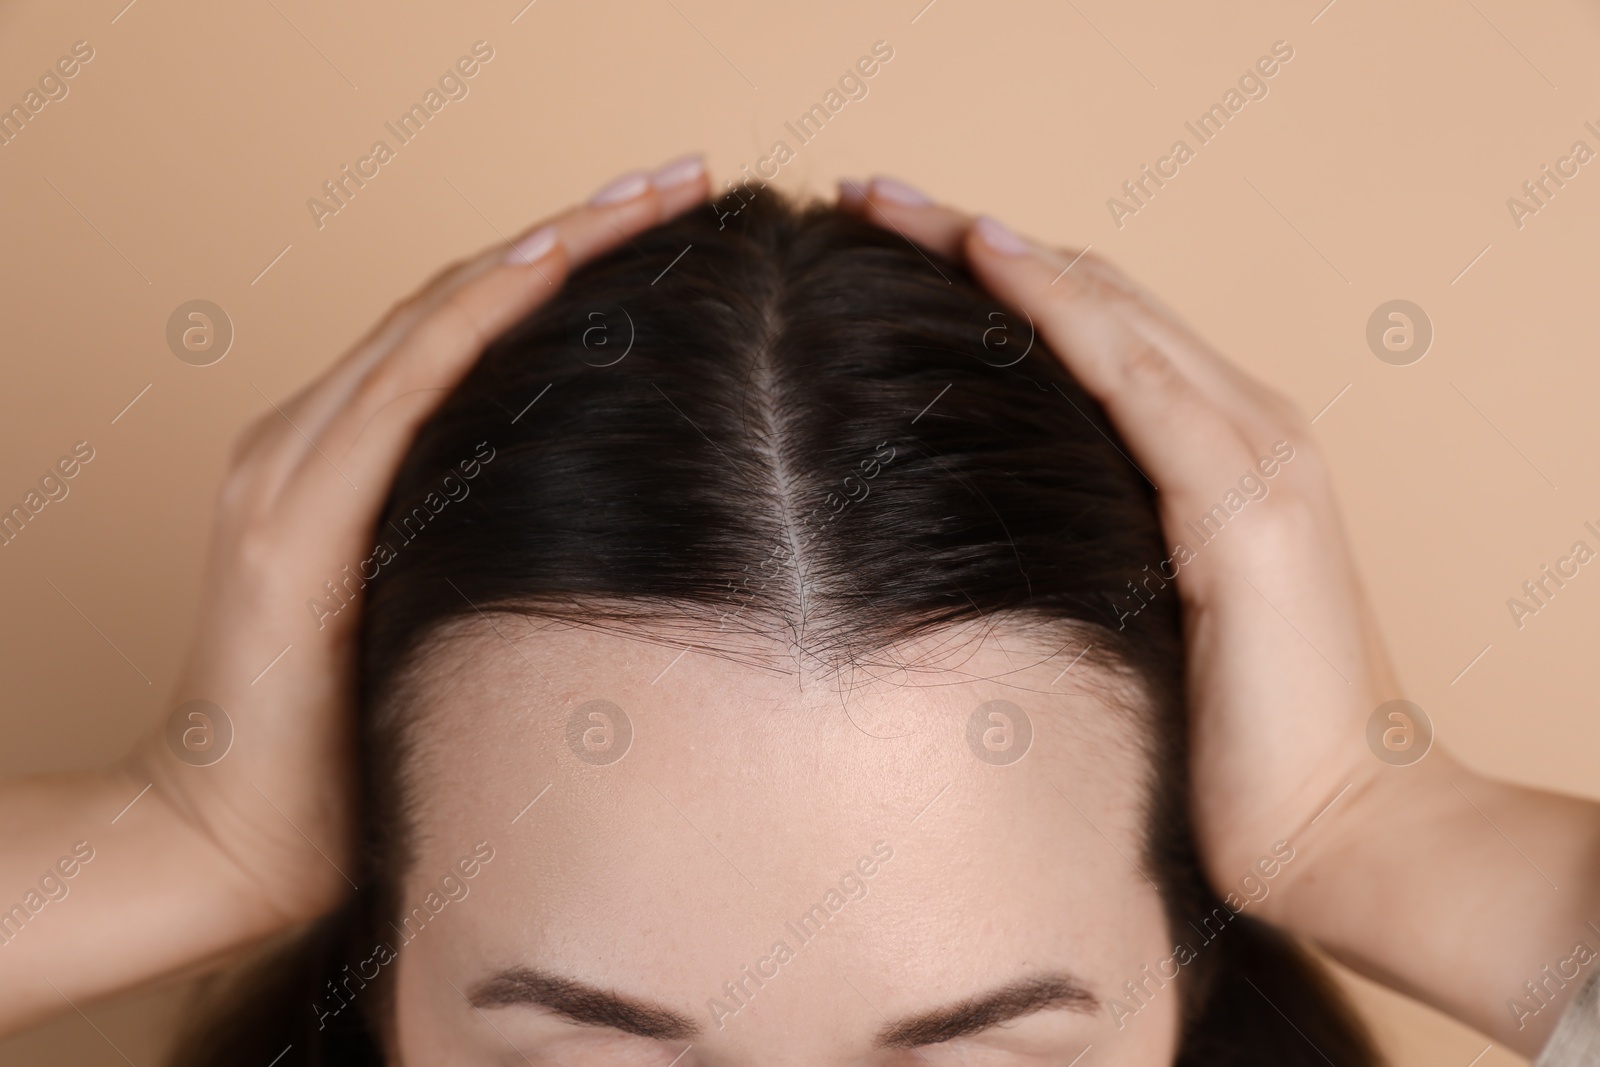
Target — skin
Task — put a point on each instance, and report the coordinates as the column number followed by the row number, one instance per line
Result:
column 1286, row 664
column 745, row 795
column 215, row 858
column 1408, row 874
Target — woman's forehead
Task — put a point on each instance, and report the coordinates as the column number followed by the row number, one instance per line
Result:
column 587, row 739
column 500, row 705
column 657, row 817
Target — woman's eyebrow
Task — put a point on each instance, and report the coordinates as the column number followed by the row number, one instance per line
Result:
column 584, row 1004
column 981, row 1012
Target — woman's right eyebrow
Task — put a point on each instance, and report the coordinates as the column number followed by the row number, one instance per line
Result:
column 581, row 1003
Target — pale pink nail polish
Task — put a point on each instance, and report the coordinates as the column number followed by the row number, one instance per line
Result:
column 998, row 236
column 534, row 247
column 624, row 188
column 678, row 172
column 900, row 192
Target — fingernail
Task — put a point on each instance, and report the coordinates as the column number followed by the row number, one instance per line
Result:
column 624, row 188
column 998, row 236
column 678, row 172
column 534, row 247
column 900, row 192
column 851, row 193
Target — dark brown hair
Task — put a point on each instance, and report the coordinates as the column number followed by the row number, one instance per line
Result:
column 769, row 423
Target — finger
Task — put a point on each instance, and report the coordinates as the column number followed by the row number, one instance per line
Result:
column 1112, row 315
column 1183, row 441
column 620, row 209
column 896, row 206
column 366, row 438
column 399, row 391
column 1268, row 413
column 508, row 275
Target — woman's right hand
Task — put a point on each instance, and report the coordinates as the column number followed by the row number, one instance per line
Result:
column 1408, row 873
column 298, row 510
column 225, row 850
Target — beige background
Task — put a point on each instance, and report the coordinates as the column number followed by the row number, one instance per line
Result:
column 1377, row 167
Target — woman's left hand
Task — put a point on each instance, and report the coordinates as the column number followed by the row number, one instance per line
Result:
column 1393, row 864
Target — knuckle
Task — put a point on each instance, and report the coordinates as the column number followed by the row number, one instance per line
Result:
column 1092, row 262
column 1084, row 281
column 256, row 551
column 232, row 496
column 1144, row 366
column 1109, row 275
column 443, row 276
column 412, row 306
column 453, row 328
column 406, row 305
column 240, row 501
column 1286, row 530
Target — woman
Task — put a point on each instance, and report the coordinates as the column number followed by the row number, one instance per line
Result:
column 768, row 657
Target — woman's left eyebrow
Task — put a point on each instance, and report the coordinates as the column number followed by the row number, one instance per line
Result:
column 581, row 1003
column 978, row 1013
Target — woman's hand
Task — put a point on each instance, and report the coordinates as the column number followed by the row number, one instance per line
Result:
column 1394, row 866
column 1285, row 664
column 298, row 510
column 220, row 853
